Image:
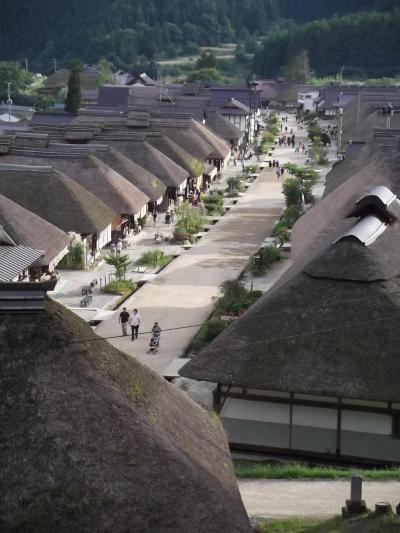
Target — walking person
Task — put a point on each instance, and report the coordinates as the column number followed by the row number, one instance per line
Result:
column 134, row 321
column 118, row 247
column 112, row 248
column 155, row 217
column 155, row 338
column 124, row 320
column 278, row 173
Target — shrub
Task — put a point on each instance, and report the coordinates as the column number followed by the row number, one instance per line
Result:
column 235, row 298
column 207, row 333
column 291, row 215
column 74, row 259
column 154, row 258
column 189, row 219
column 235, row 184
column 253, row 169
column 121, row 264
column 292, row 190
column 120, row 286
column 214, row 204
column 281, row 232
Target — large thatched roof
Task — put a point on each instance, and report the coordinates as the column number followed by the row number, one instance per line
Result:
column 220, row 149
column 154, row 161
column 53, row 196
column 191, row 164
column 331, row 329
column 346, row 183
column 26, row 228
column 111, row 188
column 144, row 180
column 222, row 127
column 93, row 441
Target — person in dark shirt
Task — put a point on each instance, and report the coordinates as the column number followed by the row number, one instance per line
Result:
column 124, row 320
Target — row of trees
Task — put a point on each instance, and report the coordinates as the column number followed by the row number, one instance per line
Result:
column 365, row 43
column 126, row 31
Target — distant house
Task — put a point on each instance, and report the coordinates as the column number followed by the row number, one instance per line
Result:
column 236, row 113
column 311, row 370
column 16, row 260
column 22, row 228
column 60, row 200
column 307, row 100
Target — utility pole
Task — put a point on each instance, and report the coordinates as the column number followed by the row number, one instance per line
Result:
column 26, row 63
column 9, row 101
column 340, row 130
column 55, row 64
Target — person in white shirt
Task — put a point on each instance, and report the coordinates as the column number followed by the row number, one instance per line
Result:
column 119, row 247
column 135, row 323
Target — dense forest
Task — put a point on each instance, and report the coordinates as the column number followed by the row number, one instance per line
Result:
column 128, row 32
column 365, row 44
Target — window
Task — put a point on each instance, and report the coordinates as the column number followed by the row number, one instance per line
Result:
column 396, row 426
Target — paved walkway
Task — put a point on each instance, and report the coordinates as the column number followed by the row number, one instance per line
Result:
column 272, row 498
column 181, row 295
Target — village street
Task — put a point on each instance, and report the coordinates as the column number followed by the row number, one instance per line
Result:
column 273, row 498
column 181, row 295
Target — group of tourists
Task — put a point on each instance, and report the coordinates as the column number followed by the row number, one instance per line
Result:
column 133, row 320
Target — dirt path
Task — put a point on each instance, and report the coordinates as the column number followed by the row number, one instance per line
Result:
column 271, row 498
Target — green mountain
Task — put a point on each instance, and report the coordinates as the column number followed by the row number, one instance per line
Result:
column 128, row 32
column 365, row 43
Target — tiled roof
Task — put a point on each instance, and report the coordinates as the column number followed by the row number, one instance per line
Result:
column 15, row 259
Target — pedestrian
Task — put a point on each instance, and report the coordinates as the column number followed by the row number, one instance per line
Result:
column 168, row 218
column 155, row 217
column 286, row 129
column 172, row 215
column 234, row 161
column 282, row 171
column 118, row 247
column 278, row 173
column 124, row 320
column 134, row 321
column 112, row 248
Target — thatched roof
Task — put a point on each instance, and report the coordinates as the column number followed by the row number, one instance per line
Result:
column 152, row 160
column 348, row 181
column 26, row 228
column 331, row 329
column 119, row 194
column 53, row 196
column 220, row 149
column 191, row 164
column 144, row 180
column 222, row 127
column 189, row 140
column 94, row 441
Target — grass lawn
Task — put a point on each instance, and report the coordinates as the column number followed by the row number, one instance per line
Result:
column 364, row 524
column 251, row 469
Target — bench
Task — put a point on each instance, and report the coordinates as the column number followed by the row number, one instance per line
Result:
column 86, row 290
column 86, row 300
column 140, row 269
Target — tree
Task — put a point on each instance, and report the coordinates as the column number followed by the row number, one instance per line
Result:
column 204, row 74
column 207, row 60
column 73, row 100
column 105, row 69
column 121, row 264
column 298, row 68
column 11, row 73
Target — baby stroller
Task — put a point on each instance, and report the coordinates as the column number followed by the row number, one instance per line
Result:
column 154, row 343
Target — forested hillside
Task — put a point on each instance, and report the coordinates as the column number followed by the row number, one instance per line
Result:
column 365, row 43
column 129, row 31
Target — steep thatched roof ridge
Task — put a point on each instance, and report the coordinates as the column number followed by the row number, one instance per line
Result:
column 55, row 197
column 94, row 441
column 26, row 228
column 222, row 127
column 144, row 180
column 119, row 194
column 190, row 141
column 220, row 149
column 154, row 161
column 167, row 146
column 316, row 335
column 348, row 182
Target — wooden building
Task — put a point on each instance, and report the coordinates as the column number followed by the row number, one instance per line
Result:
column 311, row 370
